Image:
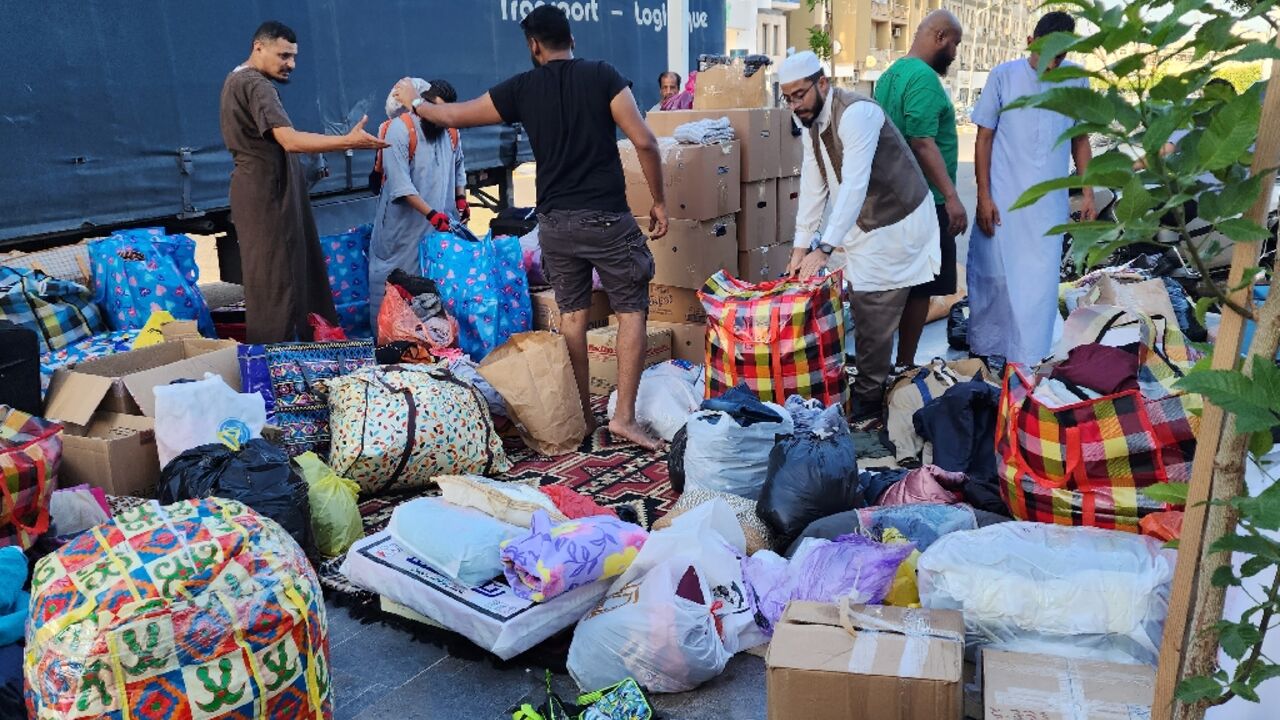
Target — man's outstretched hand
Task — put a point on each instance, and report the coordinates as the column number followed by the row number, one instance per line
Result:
column 358, row 139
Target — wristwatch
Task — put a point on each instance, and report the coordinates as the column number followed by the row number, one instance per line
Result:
column 825, row 248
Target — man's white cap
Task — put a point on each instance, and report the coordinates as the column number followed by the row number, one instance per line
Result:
column 394, row 107
column 798, row 67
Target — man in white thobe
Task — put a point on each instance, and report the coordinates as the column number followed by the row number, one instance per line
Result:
column 1013, row 267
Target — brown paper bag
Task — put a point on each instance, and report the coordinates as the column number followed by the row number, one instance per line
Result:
column 531, row 372
column 1148, row 297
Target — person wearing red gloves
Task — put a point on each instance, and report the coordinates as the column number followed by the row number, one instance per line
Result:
column 423, row 187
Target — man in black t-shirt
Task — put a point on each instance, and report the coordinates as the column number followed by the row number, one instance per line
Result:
column 572, row 110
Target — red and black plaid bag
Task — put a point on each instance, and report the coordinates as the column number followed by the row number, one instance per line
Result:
column 30, row 450
column 781, row 338
column 1084, row 463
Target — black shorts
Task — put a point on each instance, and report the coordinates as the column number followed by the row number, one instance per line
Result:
column 574, row 242
column 944, row 283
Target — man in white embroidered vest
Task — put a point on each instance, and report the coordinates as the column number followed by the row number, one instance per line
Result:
column 860, row 174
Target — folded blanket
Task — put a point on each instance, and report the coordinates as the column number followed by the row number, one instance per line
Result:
column 704, row 132
column 554, row 559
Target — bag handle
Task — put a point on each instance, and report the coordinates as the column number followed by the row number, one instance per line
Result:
column 1073, row 456
column 41, row 525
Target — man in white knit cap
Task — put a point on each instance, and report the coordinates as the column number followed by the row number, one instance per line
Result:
column 862, row 193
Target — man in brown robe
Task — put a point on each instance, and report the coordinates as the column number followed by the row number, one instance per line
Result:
column 285, row 277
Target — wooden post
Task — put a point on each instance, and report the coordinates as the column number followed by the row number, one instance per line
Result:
column 1194, row 604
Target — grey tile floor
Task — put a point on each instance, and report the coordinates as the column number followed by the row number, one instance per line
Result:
column 382, row 673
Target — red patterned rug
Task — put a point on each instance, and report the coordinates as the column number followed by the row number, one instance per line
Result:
column 611, row 471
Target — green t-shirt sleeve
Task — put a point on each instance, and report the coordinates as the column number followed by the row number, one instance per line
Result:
column 924, row 104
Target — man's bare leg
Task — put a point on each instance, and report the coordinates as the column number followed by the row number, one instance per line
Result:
column 573, row 326
column 914, row 317
column 631, row 346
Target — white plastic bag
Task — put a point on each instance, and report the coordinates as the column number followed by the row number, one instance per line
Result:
column 204, row 412
column 76, row 509
column 1073, row 591
column 459, row 542
column 669, row 393
column 724, row 456
column 642, row 629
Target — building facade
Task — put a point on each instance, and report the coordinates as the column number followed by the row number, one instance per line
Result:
column 760, row 27
column 868, row 35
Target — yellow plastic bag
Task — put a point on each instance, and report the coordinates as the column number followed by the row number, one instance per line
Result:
column 335, row 514
column 151, row 333
column 904, row 592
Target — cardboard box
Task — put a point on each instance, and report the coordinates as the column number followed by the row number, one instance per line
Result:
column 694, row 250
column 114, row 452
column 788, row 206
column 700, row 181
column 688, row 340
column 764, row 264
column 124, row 382
column 758, row 219
column 546, row 313
column 675, row 304
column 790, row 145
column 724, row 87
column 817, row 670
column 1022, row 685
column 602, row 355
column 755, row 131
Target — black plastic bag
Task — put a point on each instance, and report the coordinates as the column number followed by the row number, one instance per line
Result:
column 259, row 475
column 958, row 326
column 675, row 458
column 812, row 474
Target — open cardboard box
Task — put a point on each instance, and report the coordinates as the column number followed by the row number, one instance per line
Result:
column 107, row 405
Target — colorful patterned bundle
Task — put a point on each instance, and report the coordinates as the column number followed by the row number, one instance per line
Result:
column 30, row 450
column 554, row 559
column 396, row 427
column 61, row 312
column 291, row 377
column 484, row 287
column 781, row 338
column 138, row 271
column 201, row 609
column 347, row 257
column 1085, row 463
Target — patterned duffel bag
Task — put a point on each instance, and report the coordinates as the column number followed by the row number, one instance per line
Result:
column 396, row 427
column 198, row 609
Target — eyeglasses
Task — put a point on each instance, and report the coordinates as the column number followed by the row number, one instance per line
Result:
column 798, row 97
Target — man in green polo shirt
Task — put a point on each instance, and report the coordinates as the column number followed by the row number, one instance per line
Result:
column 911, row 94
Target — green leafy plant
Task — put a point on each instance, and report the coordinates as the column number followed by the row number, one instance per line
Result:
column 1150, row 67
column 820, row 41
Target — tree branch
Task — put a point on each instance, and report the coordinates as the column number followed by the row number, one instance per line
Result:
column 1245, row 669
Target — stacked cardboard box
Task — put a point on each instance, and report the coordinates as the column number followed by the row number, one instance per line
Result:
column 602, row 355
column 703, row 189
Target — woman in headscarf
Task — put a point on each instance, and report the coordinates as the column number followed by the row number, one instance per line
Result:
column 423, row 183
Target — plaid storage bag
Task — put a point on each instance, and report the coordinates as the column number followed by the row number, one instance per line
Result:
column 61, row 312
column 1085, row 463
column 30, row 450
column 200, row 609
column 781, row 338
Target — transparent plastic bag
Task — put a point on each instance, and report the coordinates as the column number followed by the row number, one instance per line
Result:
column 822, row 571
column 335, row 511
column 1033, row 587
column 192, row 414
column 725, row 455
